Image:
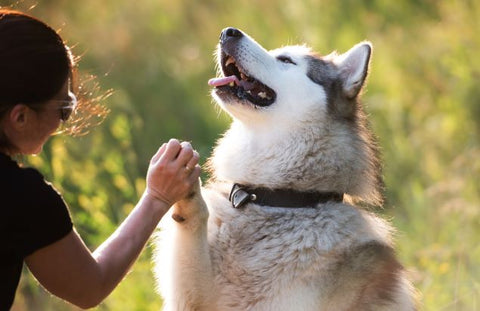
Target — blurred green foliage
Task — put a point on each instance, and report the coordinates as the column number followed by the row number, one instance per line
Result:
column 423, row 97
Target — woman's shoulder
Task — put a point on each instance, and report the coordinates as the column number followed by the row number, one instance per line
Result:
column 13, row 173
column 25, row 184
column 26, row 192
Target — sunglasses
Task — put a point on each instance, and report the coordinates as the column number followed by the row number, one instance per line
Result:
column 67, row 106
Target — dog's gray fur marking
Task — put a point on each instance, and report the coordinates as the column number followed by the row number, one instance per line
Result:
column 348, row 110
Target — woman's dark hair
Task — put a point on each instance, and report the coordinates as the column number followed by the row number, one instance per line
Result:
column 34, row 65
column 34, row 61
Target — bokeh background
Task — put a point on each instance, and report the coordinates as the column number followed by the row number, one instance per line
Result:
column 423, row 97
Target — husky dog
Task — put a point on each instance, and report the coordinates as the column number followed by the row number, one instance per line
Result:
column 276, row 228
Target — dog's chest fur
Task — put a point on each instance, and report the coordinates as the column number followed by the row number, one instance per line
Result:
column 302, row 158
column 264, row 257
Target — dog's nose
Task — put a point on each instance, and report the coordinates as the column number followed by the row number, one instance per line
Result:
column 230, row 32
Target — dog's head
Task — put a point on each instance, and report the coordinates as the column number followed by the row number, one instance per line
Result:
column 286, row 84
column 299, row 112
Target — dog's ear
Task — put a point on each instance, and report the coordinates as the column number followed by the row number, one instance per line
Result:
column 353, row 66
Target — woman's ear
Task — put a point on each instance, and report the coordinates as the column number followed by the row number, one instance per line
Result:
column 18, row 116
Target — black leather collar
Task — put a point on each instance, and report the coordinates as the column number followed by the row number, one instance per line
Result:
column 241, row 195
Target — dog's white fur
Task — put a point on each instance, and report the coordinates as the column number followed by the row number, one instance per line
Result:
column 331, row 257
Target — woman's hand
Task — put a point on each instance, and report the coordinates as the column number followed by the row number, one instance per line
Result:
column 173, row 172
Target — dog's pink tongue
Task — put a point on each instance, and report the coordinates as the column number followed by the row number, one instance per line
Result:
column 223, row 81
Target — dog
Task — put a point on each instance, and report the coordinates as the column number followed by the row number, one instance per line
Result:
column 282, row 223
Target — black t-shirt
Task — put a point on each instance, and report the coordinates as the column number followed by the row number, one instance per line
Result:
column 32, row 215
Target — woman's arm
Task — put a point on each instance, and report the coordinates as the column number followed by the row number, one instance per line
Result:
column 70, row 271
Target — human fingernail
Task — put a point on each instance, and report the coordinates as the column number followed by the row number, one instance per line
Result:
column 186, row 144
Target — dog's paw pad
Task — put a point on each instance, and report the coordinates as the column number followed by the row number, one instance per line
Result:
column 178, row 218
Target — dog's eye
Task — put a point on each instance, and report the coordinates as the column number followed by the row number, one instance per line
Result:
column 286, row 60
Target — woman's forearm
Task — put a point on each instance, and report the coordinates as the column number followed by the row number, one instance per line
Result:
column 118, row 253
column 68, row 270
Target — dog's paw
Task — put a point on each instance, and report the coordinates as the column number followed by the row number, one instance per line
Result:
column 192, row 208
column 195, row 191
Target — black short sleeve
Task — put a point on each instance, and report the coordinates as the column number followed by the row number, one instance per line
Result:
column 45, row 218
column 32, row 215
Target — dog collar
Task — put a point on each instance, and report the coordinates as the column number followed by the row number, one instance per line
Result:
column 241, row 195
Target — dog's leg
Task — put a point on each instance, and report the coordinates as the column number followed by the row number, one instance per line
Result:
column 192, row 279
column 371, row 279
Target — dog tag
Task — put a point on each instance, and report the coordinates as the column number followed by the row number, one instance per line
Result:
column 240, row 197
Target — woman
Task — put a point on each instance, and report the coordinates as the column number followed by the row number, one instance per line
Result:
column 36, row 96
